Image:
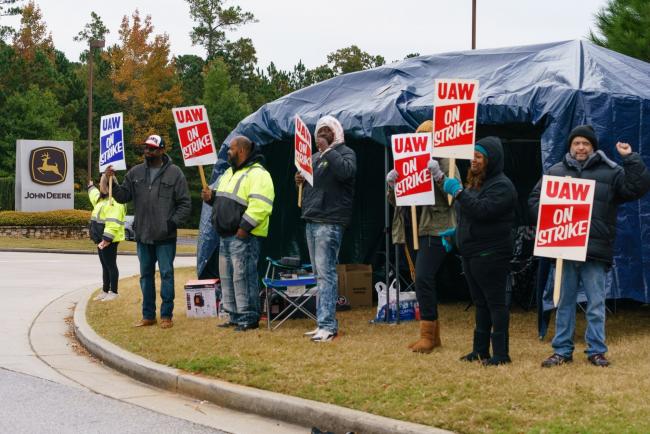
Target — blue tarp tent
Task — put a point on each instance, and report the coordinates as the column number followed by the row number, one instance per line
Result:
column 538, row 93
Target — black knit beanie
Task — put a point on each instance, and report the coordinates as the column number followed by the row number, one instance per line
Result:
column 586, row 131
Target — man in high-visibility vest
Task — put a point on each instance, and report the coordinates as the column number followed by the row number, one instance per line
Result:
column 242, row 203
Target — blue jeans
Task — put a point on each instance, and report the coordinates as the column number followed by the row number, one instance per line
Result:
column 239, row 280
column 324, row 242
column 592, row 275
column 148, row 255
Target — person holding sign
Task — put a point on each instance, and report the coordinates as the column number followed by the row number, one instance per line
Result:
column 485, row 214
column 615, row 184
column 242, row 204
column 327, row 209
column 431, row 219
column 106, row 230
column 161, row 198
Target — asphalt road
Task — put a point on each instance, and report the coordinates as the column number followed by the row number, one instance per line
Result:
column 35, row 398
column 34, row 405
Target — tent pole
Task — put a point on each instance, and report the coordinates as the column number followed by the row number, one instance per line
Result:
column 397, row 283
column 398, row 287
column 386, row 231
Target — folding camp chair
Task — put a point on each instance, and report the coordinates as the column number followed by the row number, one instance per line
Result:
column 276, row 284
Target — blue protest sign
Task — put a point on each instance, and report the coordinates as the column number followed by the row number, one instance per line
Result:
column 111, row 142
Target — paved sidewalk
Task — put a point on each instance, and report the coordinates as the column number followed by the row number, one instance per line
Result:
column 39, row 292
column 79, row 252
column 269, row 404
column 69, row 360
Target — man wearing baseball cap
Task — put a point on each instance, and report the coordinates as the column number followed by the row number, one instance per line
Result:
column 615, row 184
column 161, row 198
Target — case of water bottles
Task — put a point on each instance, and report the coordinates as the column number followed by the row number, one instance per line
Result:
column 409, row 310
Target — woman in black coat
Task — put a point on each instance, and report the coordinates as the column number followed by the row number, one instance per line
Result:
column 485, row 213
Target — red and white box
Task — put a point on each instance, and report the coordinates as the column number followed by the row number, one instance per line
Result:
column 202, row 300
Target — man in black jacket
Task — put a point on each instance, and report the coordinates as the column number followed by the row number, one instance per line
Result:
column 159, row 192
column 327, row 208
column 614, row 185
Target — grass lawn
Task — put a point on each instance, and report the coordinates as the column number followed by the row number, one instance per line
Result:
column 87, row 245
column 369, row 368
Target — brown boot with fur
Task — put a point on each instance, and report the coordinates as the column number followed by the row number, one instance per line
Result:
column 429, row 337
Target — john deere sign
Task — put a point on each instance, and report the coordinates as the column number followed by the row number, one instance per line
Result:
column 44, row 175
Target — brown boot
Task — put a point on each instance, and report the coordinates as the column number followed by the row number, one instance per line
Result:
column 429, row 337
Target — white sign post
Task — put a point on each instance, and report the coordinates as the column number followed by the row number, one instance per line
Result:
column 414, row 184
column 195, row 136
column 302, row 155
column 44, row 180
column 563, row 222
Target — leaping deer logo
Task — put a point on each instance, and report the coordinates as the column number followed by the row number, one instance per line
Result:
column 47, row 167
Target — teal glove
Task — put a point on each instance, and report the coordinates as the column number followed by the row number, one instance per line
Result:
column 446, row 235
column 452, row 186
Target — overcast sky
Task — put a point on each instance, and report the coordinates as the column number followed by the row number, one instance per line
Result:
column 289, row 30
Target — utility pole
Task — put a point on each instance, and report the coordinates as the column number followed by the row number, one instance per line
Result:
column 473, row 24
column 93, row 43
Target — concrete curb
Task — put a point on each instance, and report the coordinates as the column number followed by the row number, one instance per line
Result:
column 77, row 252
column 299, row 411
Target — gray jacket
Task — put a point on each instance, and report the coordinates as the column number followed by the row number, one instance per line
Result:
column 161, row 204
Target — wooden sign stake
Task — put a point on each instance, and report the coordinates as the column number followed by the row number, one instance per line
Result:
column 414, row 225
column 203, row 183
column 559, row 262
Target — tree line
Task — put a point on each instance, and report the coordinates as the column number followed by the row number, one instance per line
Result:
column 43, row 94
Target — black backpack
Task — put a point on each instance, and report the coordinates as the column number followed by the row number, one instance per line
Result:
column 96, row 229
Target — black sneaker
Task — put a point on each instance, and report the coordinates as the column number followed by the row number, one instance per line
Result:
column 556, row 360
column 246, row 327
column 226, row 325
column 598, row 360
column 496, row 361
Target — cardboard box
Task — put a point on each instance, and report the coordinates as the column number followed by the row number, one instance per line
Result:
column 355, row 285
column 201, row 298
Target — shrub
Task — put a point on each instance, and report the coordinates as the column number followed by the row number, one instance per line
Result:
column 66, row 217
column 82, row 201
column 7, row 193
column 195, row 216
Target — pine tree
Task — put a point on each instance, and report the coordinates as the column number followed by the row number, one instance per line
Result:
column 624, row 26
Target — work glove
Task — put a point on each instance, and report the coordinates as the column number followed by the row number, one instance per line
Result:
column 446, row 236
column 434, row 168
column 452, row 186
column 391, row 178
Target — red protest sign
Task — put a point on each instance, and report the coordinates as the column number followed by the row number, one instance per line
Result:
column 454, row 118
column 564, row 218
column 302, row 146
column 411, row 154
column 195, row 135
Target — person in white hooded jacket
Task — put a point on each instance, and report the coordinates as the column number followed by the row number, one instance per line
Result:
column 327, row 210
